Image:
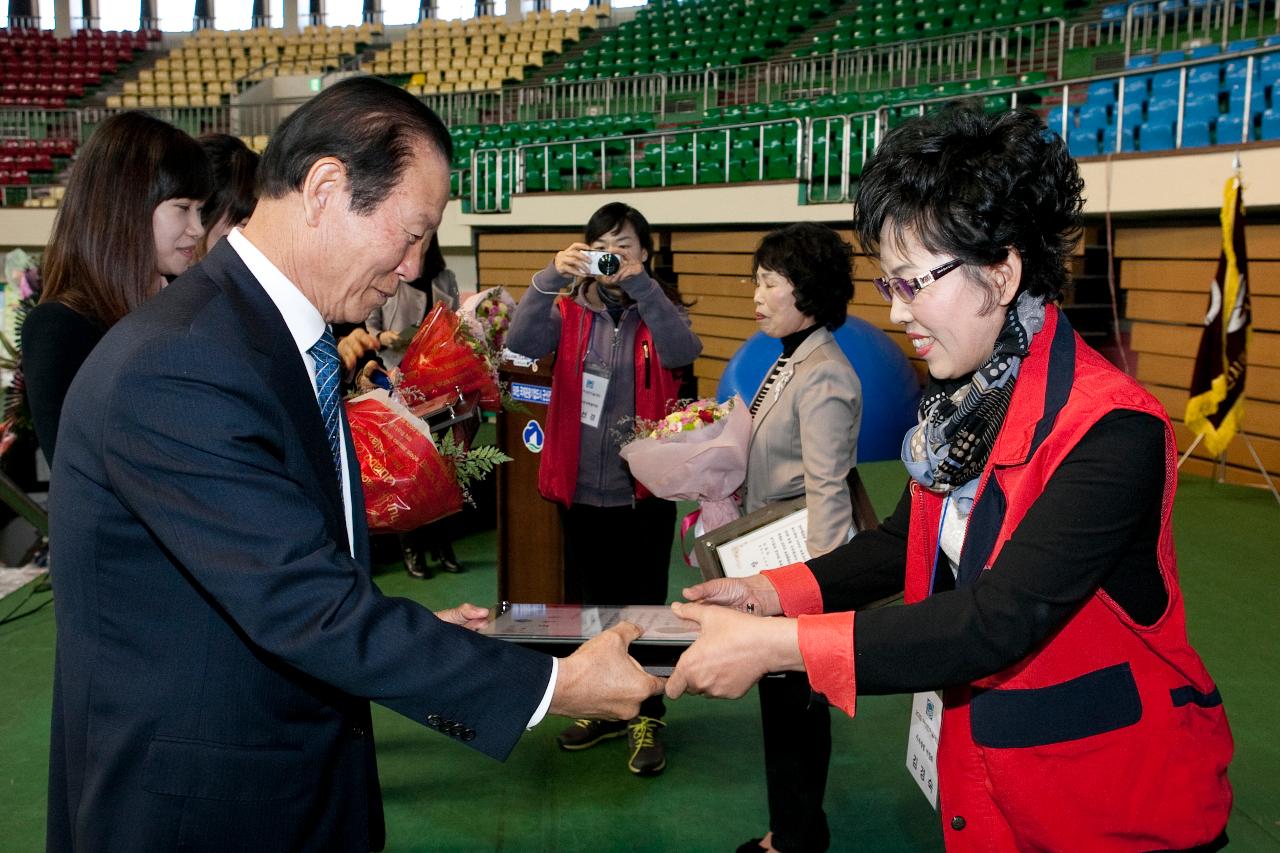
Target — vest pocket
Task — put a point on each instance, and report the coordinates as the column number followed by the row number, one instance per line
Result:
column 1091, row 704
column 184, row 767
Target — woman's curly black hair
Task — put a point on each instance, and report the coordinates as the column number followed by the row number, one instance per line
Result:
column 819, row 265
column 973, row 185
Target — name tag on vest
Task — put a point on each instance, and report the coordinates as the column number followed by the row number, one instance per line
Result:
column 595, row 385
column 922, row 743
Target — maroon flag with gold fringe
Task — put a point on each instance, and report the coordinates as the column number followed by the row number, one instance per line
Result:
column 1215, row 408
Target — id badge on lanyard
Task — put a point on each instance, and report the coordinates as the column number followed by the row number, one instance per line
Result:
column 925, row 730
column 595, row 386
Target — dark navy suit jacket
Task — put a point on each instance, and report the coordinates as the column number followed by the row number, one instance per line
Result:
column 217, row 644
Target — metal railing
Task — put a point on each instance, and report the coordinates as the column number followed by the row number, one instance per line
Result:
column 498, row 173
column 40, row 123
column 838, row 134
column 1018, row 49
column 1146, row 27
column 542, row 101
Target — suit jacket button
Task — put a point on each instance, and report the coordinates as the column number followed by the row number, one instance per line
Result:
column 957, row 823
column 357, row 731
column 468, row 734
column 433, row 720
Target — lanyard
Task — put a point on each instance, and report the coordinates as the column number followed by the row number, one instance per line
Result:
column 937, row 547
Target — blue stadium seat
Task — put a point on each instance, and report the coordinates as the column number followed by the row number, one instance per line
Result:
column 1200, row 75
column 1195, row 134
column 1271, row 124
column 1269, row 74
column 1137, row 87
column 1171, row 5
column 1271, row 41
column 1205, row 50
column 1093, row 117
column 1054, row 119
column 1165, row 112
column 1102, row 92
column 1235, row 101
column 1228, row 130
column 1155, row 137
column 1114, row 12
column 1170, row 56
column 1109, row 140
column 1199, row 109
column 1140, row 62
column 1242, row 44
column 1132, row 113
column 1082, row 142
column 1166, row 81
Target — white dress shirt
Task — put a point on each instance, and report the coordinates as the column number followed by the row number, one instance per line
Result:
column 306, row 325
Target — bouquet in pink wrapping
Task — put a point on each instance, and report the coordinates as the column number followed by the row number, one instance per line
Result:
column 407, row 482
column 443, row 358
column 696, row 453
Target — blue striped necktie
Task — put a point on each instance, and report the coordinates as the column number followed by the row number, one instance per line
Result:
column 325, row 354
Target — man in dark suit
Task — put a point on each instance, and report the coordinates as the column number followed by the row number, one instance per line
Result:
column 219, row 634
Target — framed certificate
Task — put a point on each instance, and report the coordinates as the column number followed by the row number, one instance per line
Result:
column 772, row 536
column 558, row 629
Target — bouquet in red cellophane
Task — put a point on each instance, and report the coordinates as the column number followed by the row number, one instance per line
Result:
column 444, row 359
column 407, row 481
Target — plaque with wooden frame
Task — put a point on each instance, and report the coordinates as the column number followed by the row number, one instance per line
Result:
column 772, row 536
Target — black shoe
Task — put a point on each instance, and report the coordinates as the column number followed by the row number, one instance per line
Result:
column 415, row 565
column 587, row 733
column 448, row 560
column 648, row 755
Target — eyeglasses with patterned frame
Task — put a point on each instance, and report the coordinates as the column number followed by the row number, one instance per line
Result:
column 907, row 288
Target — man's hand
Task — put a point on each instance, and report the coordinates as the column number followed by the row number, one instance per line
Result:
column 600, row 681
column 466, row 614
column 733, row 652
column 752, row 594
column 354, row 345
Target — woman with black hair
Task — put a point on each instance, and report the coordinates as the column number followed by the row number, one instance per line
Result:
column 620, row 341
column 130, row 220
column 804, row 433
column 235, row 172
column 1035, row 534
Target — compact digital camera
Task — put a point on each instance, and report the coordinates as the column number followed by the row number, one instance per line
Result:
column 603, row 263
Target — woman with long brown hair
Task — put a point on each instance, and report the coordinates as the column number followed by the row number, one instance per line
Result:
column 129, row 219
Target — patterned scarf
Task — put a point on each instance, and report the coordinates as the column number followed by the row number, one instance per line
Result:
column 950, row 446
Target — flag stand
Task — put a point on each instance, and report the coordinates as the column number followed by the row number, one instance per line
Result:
column 1222, row 462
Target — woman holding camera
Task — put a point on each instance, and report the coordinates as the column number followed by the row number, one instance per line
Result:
column 621, row 340
column 804, row 431
column 1034, row 540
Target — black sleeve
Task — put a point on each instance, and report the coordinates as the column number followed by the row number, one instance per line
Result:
column 869, row 566
column 1096, row 524
column 55, row 342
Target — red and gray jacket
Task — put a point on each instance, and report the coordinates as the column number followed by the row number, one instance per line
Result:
column 656, row 391
column 1111, row 735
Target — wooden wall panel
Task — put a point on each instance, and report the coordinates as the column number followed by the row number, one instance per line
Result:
column 1166, row 272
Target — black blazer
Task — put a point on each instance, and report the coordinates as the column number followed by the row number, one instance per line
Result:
column 217, row 644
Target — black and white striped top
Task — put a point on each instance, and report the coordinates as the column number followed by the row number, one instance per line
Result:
column 790, row 344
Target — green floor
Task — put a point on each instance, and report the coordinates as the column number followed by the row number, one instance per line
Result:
column 442, row 796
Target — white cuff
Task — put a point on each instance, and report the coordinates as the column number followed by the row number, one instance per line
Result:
column 546, row 697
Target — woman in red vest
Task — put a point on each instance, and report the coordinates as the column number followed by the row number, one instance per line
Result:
column 1035, row 532
column 620, row 344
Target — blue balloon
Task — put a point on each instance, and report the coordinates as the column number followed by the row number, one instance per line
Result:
column 890, row 390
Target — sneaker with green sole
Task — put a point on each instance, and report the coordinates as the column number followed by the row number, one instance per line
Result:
column 648, row 755
column 582, row 734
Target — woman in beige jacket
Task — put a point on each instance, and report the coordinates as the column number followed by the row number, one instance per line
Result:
column 804, row 433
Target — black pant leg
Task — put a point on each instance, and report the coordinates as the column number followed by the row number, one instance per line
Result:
column 797, row 753
column 620, row 555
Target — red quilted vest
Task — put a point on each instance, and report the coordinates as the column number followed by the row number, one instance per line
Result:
column 1110, row 735
column 657, row 390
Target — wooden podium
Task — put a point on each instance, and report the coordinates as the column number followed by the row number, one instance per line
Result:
column 530, row 551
